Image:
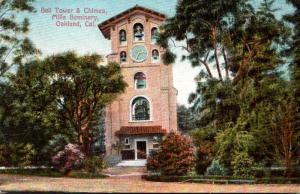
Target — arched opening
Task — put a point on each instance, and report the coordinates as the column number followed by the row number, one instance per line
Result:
column 138, row 30
column 154, row 35
column 140, row 80
column 140, row 109
column 155, row 55
column 122, row 37
column 123, row 57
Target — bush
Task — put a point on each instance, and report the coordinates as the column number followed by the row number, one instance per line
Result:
column 203, row 159
column 216, row 169
column 17, row 154
column 5, row 155
column 26, row 155
column 242, row 165
column 94, row 164
column 152, row 162
column 55, row 144
column 68, row 159
column 176, row 156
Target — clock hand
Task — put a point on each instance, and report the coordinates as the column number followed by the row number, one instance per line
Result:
column 137, row 57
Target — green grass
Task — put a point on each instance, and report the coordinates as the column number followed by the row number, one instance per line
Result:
column 48, row 172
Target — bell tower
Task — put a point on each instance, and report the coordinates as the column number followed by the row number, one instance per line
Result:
column 139, row 118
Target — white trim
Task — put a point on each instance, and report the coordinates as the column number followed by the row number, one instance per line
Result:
column 150, row 106
column 135, row 148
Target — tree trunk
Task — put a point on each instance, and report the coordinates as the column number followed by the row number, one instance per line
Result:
column 84, row 140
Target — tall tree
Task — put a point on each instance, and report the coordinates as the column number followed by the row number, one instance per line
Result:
column 185, row 118
column 82, row 87
column 61, row 94
column 239, row 48
column 15, row 47
column 284, row 133
column 295, row 64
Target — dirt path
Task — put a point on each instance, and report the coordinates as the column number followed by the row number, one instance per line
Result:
column 126, row 184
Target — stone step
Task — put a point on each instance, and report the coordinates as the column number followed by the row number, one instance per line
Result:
column 132, row 163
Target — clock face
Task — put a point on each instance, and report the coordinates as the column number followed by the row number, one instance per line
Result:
column 139, row 53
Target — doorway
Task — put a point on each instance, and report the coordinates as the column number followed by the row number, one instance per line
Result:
column 141, row 150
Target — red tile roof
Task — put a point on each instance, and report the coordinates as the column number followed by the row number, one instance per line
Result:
column 106, row 25
column 139, row 130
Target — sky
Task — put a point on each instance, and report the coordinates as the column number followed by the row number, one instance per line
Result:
column 51, row 39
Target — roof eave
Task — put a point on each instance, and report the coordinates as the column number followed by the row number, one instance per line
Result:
column 104, row 27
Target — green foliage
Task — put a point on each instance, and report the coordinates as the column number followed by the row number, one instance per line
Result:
column 94, row 164
column 185, row 119
column 294, row 53
column 234, row 114
column 15, row 47
column 216, row 169
column 242, row 164
column 17, row 155
column 204, row 141
column 55, row 101
column 82, row 88
column 54, row 145
column 98, row 133
column 4, row 155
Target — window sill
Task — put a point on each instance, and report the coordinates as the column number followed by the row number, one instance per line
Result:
column 123, row 44
column 140, row 121
column 138, row 41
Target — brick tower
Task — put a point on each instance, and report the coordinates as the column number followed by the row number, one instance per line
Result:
column 139, row 118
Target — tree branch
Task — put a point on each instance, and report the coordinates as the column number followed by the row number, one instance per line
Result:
column 183, row 47
column 226, row 62
column 215, row 44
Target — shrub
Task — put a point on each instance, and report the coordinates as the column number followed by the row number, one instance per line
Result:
column 94, row 164
column 5, row 155
column 17, row 154
column 175, row 157
column 204, row 158
column 68, row 159
column 216, row 169
column 152, row 162
column 55, row 144
column 26, row 155
column 242, row 164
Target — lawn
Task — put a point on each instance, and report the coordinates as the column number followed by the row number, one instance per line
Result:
column 49, row 172
column 129, row 184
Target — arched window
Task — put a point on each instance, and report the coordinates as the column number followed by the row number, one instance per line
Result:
column 155, row 55
column 140, row 109
column 138, row 30
column 140, row 80
column 154, row 35
column 122, row 36
column 123, row 57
